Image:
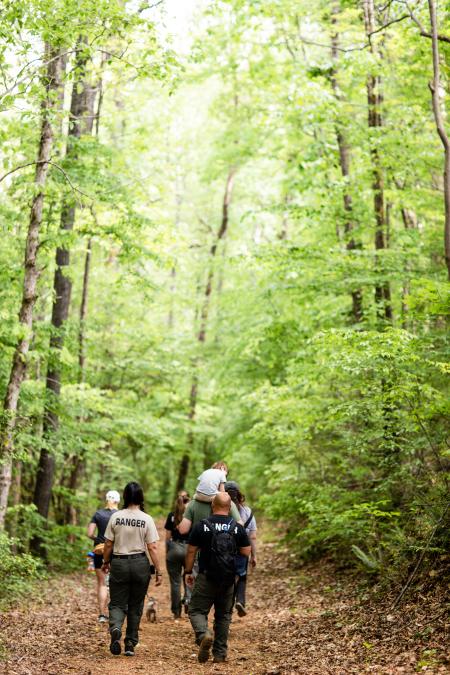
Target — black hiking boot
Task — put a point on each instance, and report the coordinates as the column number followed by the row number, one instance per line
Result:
column 241, row 609
column 129, row 648
column 219, row 659
column 115, row 647
column 205, row 647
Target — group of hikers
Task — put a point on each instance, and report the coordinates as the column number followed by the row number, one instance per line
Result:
column 210, row 542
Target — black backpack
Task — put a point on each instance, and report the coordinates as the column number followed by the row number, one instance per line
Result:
column 221, row 569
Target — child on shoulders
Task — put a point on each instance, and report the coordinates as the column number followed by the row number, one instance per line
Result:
column 210, row 482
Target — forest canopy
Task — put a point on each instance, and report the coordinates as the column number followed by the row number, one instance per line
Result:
column 226, row 235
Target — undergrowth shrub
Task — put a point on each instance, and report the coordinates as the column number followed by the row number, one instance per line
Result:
column 17, row 571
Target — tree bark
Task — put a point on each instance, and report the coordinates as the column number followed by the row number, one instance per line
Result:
column 375, row 121
column 410, row 223
column 53, row 81
column 440, row 127
column 77, row 462
column 201, row 335
column 81, row 122
column 344, row 163
column 83, row 312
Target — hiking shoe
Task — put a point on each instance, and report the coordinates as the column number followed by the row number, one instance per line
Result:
column 102, row 618
column 129, row 648
column 241, row 609
column 205, row 646
column 219, row 659
column 115, row 647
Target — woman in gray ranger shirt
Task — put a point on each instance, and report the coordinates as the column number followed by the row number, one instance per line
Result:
column 130, row 538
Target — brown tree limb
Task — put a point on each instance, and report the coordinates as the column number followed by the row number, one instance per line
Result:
column 50, row 163
column 422, row 31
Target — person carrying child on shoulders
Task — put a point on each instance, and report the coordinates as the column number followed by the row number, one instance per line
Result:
column 211, row 482
column 218, row 539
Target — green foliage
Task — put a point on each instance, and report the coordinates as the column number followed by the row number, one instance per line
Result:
column 17, row 571
column 336, row 427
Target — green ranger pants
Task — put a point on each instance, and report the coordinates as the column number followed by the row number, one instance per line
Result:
column 128, row 584
column 204, row 596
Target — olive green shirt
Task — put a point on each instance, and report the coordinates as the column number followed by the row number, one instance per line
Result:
column 197, row 511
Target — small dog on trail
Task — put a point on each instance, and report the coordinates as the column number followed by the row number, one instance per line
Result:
column 150, row 611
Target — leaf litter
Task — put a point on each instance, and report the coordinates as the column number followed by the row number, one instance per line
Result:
column 313, row 621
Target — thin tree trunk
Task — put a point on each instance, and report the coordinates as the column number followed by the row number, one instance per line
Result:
column 410, row 223
column 77, row 462
column 344, row 162
column 283, row 233
column 179, row 193
column 440, row 127
column 375, row 121
column 53, row 82
column 83, row 312
column 81, row 122
column 16, row 494
column 201, row 335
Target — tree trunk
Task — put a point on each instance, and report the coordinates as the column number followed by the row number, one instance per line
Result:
column 375, row 121
column 77, row 462
column 83, row 311
column 81, row 122
column 16, row 494
column 201, row 335
column 410, row 223
column 344, row 162
column 53, row 81
column 440, row 127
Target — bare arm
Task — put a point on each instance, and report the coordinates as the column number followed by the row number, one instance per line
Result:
column 184, row 526
column 168, row 535
column 245, row 550
column 153, row 552
column 189, row 564
column 190, row 558
column 252, row 537
column 107, row 553
column 91, row 530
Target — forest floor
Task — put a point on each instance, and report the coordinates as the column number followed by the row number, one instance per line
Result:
column 308, row 621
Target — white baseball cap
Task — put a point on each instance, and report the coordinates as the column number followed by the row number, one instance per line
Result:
column 113, row 496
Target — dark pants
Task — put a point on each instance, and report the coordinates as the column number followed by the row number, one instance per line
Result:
column 241, row 586
column 128, row 584
column 176, row 554
column 204, row 596
column 241, row 583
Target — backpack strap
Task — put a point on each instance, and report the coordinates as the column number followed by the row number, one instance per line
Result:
column 249, row 520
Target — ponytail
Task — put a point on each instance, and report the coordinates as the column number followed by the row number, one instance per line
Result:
column 180, row 507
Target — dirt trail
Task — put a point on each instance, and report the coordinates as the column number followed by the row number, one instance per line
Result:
column 309, row 623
